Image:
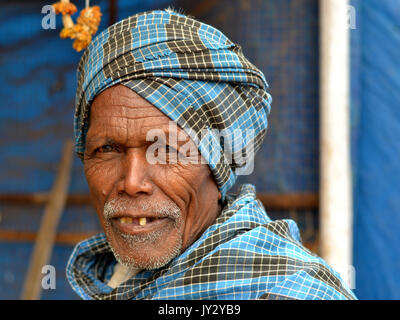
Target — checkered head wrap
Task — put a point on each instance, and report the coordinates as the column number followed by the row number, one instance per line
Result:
column 188, row 70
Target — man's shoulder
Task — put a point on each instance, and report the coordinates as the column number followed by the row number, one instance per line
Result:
column 309, row 284
column 288, row 268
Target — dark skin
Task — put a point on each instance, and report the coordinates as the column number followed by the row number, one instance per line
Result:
column 116, row 167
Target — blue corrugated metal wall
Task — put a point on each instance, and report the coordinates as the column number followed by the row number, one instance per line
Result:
column 376, row 148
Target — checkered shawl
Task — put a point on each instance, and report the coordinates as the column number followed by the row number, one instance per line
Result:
column 188, row 70
column 243, row 255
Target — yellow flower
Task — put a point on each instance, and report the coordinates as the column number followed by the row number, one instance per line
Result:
column 64, row 8
column 67, row 33
column 82, row 42
column 86, row 25
column 90, row 17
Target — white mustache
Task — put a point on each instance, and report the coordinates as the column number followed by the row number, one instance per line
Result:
column 162, row 209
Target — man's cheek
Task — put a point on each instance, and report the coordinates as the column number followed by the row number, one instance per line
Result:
column 101, row 179
column 91, row 168
column 185, row 175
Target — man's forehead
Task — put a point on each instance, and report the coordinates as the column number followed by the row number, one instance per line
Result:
column 122, row 101
column 121, row 109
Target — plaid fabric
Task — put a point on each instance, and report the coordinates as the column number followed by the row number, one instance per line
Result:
column 243, row 255
column 187, row 69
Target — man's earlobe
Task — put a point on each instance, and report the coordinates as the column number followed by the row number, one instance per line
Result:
column 219, row 195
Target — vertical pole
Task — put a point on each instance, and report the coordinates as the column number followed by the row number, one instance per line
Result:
column 335, row 169
column 48, row 228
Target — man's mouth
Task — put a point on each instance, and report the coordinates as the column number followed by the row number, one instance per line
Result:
column 145, row 219
column 136, row 225
column 138, row 221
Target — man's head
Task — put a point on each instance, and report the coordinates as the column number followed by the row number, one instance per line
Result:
column 150, row 212
column 137, row 76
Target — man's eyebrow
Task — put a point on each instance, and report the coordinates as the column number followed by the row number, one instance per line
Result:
column 91, row 142
column 180, row 133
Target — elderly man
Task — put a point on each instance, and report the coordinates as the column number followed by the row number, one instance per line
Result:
column 171, row 230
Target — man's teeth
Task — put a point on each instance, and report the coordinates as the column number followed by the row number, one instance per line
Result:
column 124, row 220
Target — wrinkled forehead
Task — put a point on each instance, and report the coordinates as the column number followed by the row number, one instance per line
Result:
column 122, row 102
column 120, row 110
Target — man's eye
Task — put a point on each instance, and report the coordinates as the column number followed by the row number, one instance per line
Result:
column 106, row 148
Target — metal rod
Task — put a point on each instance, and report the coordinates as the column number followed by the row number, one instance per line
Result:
column 290, row 201
column 41, row 198
column 64, row 238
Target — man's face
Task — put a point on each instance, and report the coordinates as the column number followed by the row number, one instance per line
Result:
column 149, row 212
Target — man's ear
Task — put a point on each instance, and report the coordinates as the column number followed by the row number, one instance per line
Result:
column 219, row 195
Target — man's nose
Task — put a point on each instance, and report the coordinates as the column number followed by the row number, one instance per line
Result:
column 135, row 176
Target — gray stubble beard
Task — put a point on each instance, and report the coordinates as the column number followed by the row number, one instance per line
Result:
column 166, row 209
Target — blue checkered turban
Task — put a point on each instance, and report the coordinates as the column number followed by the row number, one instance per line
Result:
column 188, row 70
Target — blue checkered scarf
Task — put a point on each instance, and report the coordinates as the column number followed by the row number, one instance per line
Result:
column 188, row 70
column 243, row 255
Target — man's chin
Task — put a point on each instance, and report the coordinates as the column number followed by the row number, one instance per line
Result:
column 141, row 254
